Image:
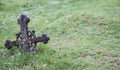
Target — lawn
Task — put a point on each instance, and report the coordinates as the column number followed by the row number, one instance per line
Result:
column 84, row 34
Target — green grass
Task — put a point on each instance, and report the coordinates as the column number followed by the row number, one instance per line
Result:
column 84, row 34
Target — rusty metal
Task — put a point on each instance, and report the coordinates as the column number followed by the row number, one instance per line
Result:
column 44, row 38
column 26, row 39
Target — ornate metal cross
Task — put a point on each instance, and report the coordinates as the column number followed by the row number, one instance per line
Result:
column 26, row 39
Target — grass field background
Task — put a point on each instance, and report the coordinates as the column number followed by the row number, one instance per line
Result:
column 84, row 34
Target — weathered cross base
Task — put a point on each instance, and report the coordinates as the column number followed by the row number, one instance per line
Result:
column 26, row 39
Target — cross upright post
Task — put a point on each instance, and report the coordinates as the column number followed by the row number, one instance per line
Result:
column 23, row 22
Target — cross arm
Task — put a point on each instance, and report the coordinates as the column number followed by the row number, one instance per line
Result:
column 44, row 38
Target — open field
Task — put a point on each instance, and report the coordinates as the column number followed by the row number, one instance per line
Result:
column 84, row 34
